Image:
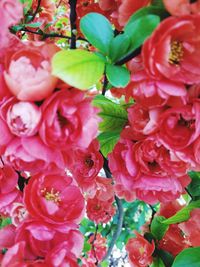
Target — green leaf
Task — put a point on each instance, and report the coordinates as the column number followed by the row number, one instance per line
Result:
column 150, row 10
column 119, row 46
column 183, row 214
column 33, row 25
column 118, row 76
column 157, row 228
column 107, row 141
column 86, row 247
column 113, row 115
column 98, row 31
column 79, row 68
column 16, row 28
column 189, row 257
column 4, row 222
column 194, row 186
column 166, row 257
column 157, row 262
column 140, row 29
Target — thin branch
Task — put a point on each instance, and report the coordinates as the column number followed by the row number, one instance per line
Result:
column 153, row 214
column 105, row 83
column 37, row 10
column 46, row 35
column 73, row 17
column 118, row 230
column 129, row 57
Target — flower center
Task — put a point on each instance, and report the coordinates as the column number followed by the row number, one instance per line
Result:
column 186, row 123
column 89, row 162
column 62, row 120
column 52, row 195
column 176, row 53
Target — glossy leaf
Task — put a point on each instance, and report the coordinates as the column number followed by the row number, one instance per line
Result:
column 140, row 29
column 189, row 257
column 114, row 116
column 107, row 141
column 149, row 10
column 194, row 186
column 78, row 68
column 98, row 31
column 183, row 214
column 119, row 46
column 118, row 76
column 158, row 229
column 157, row 262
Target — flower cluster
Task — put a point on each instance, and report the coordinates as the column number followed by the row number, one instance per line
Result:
column 59, row 129
column 160, row 143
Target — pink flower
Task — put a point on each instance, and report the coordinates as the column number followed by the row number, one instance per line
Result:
column 8, row 179
column 173, row 50
column 5, row 136
column 142, row 121
column 152, row 92
column 41, row 238
column 128, row 7
column 28, row 74
column 140, row 251
column 11, row 12
column 61, row 256
column 86, row 164
column 100, row 207
column 30, row 154
column 182, row 7
column 98, row 250
column 180, row 127
column 14, row 256
column 23, row 118
column 7, row 236
column 153, row 189
column 147, row 168
column 67, row 116
column 54, row 199
column 4, row 91
column 100, row 211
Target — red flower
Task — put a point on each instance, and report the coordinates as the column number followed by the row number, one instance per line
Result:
column 191, row 228
column 86, row 164
column 41, row 237
column 98, row 249
column 31, row 154
column 173, row 50
column 54, row 199
column 67, row 116
column 182, row 7
column 140, row 251
column 180, row 127
column 100, row 211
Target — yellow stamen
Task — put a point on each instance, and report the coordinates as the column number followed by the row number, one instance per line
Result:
column 52, row 195
column 176, row 53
